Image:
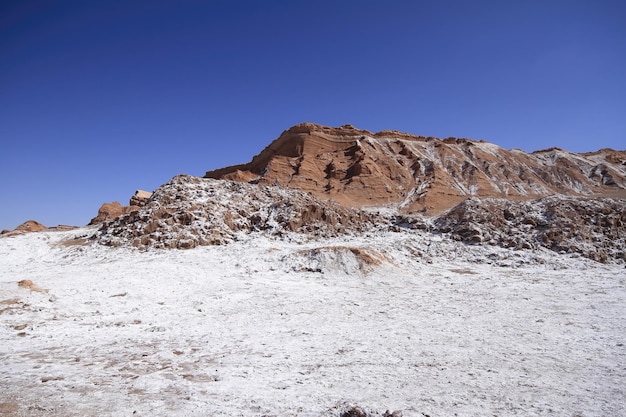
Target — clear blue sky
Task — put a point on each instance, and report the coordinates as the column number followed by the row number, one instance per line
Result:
column 100, row 98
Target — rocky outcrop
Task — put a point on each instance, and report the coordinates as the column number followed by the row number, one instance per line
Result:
column 318, row 181
column 140, row 198
column 110, row 211
column 26, row 227
column 421, row 174
column 30, row 226
column 593, row 228
column 190, row 211
column 34, row 226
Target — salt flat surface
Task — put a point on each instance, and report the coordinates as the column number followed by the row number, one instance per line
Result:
column 307, row 328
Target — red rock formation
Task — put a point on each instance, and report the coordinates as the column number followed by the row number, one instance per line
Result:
column 26, row 227
column 30, row 226
column 422, row 174
column 110, row 211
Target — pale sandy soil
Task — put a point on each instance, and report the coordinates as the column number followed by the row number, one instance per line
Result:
column 271, row 327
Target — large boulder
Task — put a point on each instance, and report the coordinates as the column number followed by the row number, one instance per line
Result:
column 109, row 211
column 140, row 198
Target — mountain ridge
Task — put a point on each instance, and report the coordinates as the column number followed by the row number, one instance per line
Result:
column 419, row 174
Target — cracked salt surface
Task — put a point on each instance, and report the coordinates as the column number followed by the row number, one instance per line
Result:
column 280, row 327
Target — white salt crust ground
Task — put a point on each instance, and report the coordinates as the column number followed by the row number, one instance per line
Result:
column 276, row 327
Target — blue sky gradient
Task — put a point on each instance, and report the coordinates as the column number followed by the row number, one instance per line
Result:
column 100, row 98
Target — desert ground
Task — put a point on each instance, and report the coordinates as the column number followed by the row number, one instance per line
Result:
column 297, row 326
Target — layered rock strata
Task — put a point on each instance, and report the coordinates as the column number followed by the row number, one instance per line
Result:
column 415, row 174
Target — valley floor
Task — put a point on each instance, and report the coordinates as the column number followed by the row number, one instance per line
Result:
column 308, row 328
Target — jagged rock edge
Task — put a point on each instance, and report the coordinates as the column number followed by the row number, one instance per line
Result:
column 191, row 211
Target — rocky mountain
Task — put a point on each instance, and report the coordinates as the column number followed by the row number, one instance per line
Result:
column 316, row 181
column 414, row 174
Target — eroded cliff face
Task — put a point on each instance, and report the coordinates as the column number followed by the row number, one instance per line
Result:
column 422, row 174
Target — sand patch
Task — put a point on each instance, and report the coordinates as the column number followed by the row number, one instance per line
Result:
column 8, row 408
column 30, row 285
column 11, row 304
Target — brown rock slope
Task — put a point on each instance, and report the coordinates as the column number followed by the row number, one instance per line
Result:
column 423, row 174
